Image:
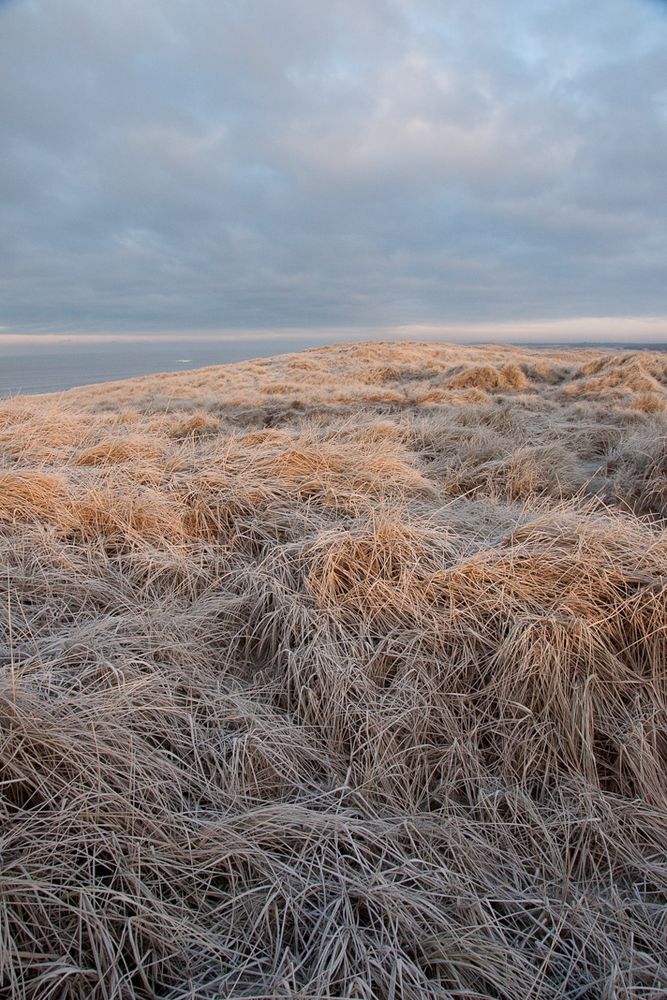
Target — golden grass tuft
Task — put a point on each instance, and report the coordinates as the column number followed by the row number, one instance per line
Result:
column 628, row 373
column 120, row 451
column 379, row 569
column 147, row 516
column 31, row 495
column 534, row 470
column 360, row 693
column 490, row 378
column 198, row 425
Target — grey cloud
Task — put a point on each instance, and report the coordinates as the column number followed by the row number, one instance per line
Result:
column 171, row 164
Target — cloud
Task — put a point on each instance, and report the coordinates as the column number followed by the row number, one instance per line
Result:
column 172, row 165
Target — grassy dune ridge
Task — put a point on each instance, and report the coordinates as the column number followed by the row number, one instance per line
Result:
column 339, row 674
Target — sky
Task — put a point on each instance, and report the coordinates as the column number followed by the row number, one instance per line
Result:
column 245, row 165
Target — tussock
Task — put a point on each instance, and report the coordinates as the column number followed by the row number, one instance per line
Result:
column 32, row 495
column 533, row 470
column 117, row 451
column 489, row 379
column 358, row 694
column 145, row 516
column 336, row 472
column 198, row 425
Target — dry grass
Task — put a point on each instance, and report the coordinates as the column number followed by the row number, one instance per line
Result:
column 339, row 675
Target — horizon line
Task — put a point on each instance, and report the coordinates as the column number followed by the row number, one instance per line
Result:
column 642, row 329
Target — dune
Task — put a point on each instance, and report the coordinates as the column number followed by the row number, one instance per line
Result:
column 339, row 674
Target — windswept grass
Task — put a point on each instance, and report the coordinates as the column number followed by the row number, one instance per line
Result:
column 339, row 675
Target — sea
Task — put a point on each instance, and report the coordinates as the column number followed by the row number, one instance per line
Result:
column 48, row 367
column 52, row 367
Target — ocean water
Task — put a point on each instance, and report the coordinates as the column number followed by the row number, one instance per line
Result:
column 53, row 367
column 37, row 367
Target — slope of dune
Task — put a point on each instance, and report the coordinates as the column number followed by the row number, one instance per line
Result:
column 339, row 674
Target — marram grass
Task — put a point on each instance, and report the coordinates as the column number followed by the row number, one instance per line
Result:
column 337, row 675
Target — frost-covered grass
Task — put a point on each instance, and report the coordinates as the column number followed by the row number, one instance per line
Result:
column 341, row 674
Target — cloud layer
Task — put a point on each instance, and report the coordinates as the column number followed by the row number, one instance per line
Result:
column 200, row 164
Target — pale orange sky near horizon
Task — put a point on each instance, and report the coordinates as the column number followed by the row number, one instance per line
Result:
column 641, row 330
